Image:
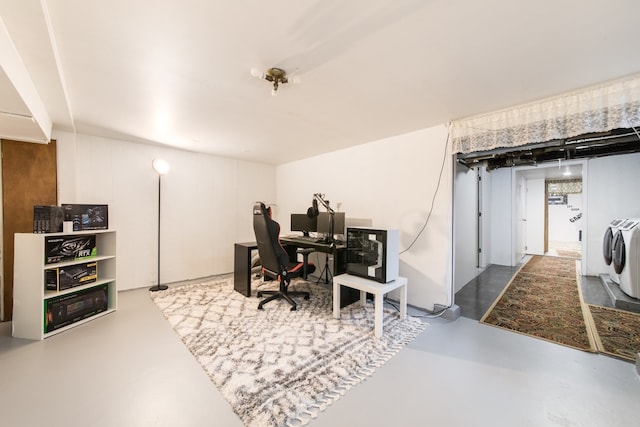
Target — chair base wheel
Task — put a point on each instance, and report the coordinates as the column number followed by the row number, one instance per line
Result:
column 273, row 295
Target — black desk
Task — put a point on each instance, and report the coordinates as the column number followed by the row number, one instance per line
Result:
column 242, row 267
column 338, row 253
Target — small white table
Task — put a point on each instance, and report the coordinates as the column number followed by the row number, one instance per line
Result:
column 373, row 287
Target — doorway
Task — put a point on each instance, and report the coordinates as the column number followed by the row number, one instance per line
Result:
column 548, row 211
column 564, row 217
column 520, row 224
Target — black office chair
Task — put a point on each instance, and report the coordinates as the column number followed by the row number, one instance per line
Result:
column 275, row 260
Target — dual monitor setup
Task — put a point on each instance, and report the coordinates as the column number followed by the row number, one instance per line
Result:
column 370, row 253
column 320, row 224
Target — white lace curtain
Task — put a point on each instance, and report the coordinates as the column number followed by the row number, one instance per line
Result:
column 598, row 109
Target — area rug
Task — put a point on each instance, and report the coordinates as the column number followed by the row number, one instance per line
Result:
column 544, row 300
column 618, row 332
column 278, row 367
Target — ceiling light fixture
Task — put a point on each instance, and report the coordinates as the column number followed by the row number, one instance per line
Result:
column 276, row 76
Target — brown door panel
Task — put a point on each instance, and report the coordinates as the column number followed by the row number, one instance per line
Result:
column 29, row 178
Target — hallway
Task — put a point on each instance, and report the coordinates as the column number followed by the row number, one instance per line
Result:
column 477, row 296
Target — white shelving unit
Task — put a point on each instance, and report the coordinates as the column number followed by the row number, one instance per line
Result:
column 29, row 293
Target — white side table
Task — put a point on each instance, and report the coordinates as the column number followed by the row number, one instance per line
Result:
column 373, row 287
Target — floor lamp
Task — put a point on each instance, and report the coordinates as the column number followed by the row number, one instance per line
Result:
column 162, row 168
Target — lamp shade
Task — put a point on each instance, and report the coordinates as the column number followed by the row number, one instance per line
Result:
column 161, row 166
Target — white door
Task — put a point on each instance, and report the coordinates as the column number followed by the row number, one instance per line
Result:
column 534, row 215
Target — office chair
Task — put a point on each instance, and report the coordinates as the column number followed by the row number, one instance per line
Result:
column 275, row 260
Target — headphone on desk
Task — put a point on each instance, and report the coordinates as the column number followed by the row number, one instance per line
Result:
column 313, row 210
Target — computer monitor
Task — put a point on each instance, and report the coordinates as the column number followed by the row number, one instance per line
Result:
column 304, row 223
column 324, row 224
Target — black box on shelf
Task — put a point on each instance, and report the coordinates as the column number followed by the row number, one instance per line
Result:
column 87, row 217
column 61, row 278
column 47, row 219
column 64, row 310
column 69, row 248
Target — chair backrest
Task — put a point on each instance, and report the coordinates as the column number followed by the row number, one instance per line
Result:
column 273, row 257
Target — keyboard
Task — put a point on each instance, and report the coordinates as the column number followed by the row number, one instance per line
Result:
column 310, row 239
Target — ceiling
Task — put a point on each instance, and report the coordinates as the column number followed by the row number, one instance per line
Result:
column 179, row 73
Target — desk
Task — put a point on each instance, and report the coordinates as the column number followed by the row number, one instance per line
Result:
column 337, row 260
column 242, row 267
column 242, row 262
column 242, row 259
column 377, row 289
column 338, row 253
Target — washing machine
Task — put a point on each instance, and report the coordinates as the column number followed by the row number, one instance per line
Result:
column 607, row 246
column 626, row 256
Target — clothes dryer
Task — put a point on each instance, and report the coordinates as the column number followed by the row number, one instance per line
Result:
column 607, row 247
column 626, row 257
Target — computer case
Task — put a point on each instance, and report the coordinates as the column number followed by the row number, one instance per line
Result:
column 47, row 219
column 373, row 253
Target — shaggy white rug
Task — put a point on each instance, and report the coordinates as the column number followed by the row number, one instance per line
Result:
column 278, row 367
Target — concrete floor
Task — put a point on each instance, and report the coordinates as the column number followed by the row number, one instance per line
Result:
column 130, row 369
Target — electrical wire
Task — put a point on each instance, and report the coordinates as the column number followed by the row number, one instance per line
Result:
column 435, row 193
column 424, row 226
column 417, row 316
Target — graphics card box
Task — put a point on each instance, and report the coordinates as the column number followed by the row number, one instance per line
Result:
column 61, row 278
column 47, row 219
column 66, row 309
column 69, row 248
column 88, row 217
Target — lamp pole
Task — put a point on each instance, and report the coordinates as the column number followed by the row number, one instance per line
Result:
column 162, row 168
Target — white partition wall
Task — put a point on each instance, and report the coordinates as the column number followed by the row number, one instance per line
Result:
column 206, row 204
column 392, row 182
column 612, row 192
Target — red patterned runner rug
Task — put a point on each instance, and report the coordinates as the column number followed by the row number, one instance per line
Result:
column 544, row 300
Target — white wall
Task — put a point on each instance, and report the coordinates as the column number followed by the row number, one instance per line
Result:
column 391, row 181
column 206, row 204
column 500, row 203
column 466, row 225
column 612, row 191
column 563, row 225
